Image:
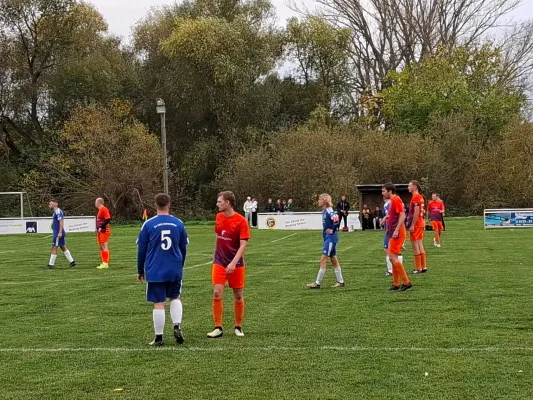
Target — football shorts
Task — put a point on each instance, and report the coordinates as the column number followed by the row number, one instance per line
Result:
column 417, row 233
column 236, row 280
column 330, row 249
column 58, row 241
column 437, row 225
column 159, row 292
column 103, row 237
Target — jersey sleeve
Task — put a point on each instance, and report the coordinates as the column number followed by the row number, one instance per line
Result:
column 60, row 215
column 334, row 217
column 397, row 205
column 106, row 214
column 184, row 241
column 244, row 233
column 416, row 200
column 142, row 248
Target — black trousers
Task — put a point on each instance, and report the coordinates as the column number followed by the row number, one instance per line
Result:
column 344, row 217
column 254, row 219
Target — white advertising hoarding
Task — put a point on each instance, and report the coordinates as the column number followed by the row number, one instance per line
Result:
column 508, row 218
column 12, row 226
column 299, row 221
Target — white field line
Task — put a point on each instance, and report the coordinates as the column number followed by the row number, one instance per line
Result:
column 91, row 278
column 281, row 349
column 283, row 238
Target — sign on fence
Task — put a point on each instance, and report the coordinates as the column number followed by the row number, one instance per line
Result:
column 300, row 221
column 508, row 218
column 11, row 226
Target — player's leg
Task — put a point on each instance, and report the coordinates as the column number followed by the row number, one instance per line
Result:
column 416, row 252
column 422, row 252
column 53, row 257
column 237, row 282
column 398, row 270
column 328, row 247
column 176, row 309
column 103, row 240
column 337, row 268
column 67, row 254
column 156, row 293
column 218, row 279
column 387, row 258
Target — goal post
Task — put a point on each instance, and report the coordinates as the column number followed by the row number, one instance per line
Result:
column 10, row 210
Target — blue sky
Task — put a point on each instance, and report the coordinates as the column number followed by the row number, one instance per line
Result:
column 121, row 15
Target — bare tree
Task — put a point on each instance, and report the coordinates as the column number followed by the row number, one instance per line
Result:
column 390, row 34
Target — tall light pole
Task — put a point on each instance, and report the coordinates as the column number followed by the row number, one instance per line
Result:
column 161, row 110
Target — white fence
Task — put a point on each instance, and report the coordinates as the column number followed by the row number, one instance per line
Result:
column 508, row 218
column 300, row 221
column 12, row 226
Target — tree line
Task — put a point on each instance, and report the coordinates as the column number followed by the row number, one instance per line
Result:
column 374, row 92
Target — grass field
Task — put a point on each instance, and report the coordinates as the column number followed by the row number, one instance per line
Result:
column 468, row 323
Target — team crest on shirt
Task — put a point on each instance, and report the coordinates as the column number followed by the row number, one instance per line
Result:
column 270, row 222
column 222, row 233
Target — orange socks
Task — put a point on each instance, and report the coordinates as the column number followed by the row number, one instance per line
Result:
column 400, row 274
column 423, row 261
column 105, row 256
column 238, row 309
column 218, row 309
column 418, row 262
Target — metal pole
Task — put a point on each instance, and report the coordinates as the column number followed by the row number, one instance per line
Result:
column 21, row 205
column 165, row 156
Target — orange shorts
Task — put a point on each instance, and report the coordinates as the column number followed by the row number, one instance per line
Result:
column 436, row 225
column 395, row 244
column 236, row 280
column 103, row 237
column 417, row 234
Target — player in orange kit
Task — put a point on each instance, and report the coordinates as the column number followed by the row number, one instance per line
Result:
column 416, row 224
column 436, row 211
column 396, row 230
column 103, row 231
column 232, row 232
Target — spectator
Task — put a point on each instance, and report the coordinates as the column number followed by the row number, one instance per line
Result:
column 248, row 210
column 279, row 206
column 366, row 218
column 284, row 205
column 343, row 208
column 270, row 206
column 254, row 212
column 378, row 217
column 288, row 208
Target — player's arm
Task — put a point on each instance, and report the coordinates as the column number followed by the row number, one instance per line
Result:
column 401, row 222
column 415, row 216
column 243, row 244
column 184, row 241
column 142, row 249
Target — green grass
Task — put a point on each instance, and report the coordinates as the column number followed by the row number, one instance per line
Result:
column 468, row 323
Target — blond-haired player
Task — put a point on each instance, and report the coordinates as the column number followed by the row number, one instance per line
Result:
column 330, row 232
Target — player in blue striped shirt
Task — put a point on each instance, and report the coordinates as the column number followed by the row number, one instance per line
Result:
column 162, row 248
column 330, row 233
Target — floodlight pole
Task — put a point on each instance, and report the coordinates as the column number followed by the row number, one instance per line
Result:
column 161, row 110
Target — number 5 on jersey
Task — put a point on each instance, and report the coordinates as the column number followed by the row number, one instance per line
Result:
column 166, row 241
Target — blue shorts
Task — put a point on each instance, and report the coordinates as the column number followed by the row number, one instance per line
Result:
column 159, row 292
column 330, row 249
column 386, row 241
column 58, row 241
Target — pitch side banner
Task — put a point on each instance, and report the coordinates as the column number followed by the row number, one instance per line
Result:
column 508, row 218
column 12, row 226
column 299, row 221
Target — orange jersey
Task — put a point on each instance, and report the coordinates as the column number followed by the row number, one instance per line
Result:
column 103, row 214
column 417, row 200
column 230, row 231
column 436, row 209
column 393, row 216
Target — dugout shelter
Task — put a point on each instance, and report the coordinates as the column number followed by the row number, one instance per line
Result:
column 370, row 194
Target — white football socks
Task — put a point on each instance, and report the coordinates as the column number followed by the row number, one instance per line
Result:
column 69, row 257
column 52, row 259
column 176, row 311
column 320, row 276
column 338, row 274
column 389, row 265
column 159, row 321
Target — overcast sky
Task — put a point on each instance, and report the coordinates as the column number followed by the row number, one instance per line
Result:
column 121, row 15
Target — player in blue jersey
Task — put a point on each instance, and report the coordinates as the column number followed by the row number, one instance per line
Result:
column 162, row 247
column 58, row 236
column 330, row 233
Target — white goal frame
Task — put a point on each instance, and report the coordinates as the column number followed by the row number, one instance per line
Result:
column 21, row 194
